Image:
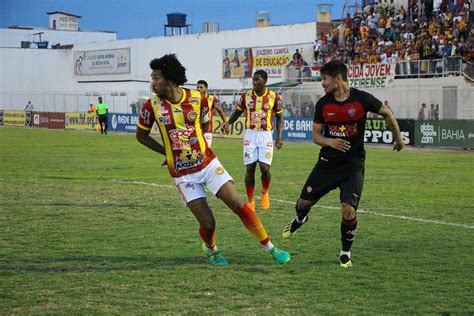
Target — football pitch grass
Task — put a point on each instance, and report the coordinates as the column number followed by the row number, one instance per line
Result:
column 91, row 224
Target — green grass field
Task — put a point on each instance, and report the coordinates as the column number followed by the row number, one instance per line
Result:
column 91, row 224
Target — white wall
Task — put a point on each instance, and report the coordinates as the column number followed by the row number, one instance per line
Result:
column 14, row 37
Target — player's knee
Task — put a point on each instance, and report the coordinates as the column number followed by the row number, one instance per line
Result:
column 348, row 211
column 208, row 224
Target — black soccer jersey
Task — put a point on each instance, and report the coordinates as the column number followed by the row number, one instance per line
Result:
column 345, row 120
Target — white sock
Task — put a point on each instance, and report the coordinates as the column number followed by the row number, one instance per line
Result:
column 212, row 250
column 300, row 221
column 268, row 247
column 347, row 253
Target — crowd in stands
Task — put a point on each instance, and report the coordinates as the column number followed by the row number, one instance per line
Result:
column 428, row 29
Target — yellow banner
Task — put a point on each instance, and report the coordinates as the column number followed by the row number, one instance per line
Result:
column 80, row 120
column 14, row 118
column 237, row 130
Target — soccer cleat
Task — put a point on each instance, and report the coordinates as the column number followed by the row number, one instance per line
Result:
column 280, row 256
column 291, row 227
column 217, row 259
column 265, row 201
column 345, row 262
column 251, row 205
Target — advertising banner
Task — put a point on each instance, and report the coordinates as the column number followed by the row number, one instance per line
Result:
column 1, row 117
column 49, row 120
column 243, row 62
column 377, row 132
column 14, row 118
column 99, row 62
column 122, row 122
column 237, row 129
column 80, row 120
column 445, row 133
column 371, row 75
column 297, row 129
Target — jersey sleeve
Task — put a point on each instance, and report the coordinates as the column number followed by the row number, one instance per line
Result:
column 278, row 105
column 318, row 113
column 216, row 102
column 146, row 117
column 204, row 110
column 241, row 103
column 370, row 102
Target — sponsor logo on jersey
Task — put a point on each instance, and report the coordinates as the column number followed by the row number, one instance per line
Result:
column 176, row 135
column 268, row 155
column 246, row 142
column 166, row 120
column 343, row 130
column 189, row 186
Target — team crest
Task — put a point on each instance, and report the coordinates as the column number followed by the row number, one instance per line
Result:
column 351, row 112
column 192, row 116
column 219, row 171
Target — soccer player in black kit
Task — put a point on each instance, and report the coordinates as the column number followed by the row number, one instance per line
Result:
column 338, row 127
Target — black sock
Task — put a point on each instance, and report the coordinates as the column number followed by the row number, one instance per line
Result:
column 348, row 231
column 301, row 214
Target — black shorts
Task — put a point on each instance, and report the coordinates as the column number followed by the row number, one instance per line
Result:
column 327, row 175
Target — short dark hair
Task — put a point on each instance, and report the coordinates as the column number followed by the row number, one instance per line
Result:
column 170, row 68
column 334, row 68
column 204, row 82
column 261, row 73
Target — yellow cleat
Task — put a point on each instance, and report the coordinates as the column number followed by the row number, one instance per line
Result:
column 345, row 262
column 265, row 201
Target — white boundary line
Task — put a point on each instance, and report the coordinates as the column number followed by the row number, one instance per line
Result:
column 407, row 218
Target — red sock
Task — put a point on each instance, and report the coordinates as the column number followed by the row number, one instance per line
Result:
column 253, row 224
column 208, row 236
column 265, row 186
column 250, row 192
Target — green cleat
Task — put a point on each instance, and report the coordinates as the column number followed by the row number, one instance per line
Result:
column 345, row 262
column 217, row 259
column 291, row 227
column 280, row 256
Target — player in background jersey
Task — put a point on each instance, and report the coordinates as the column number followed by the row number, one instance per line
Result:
column 213, row 104
column 338, row 127
column 260, row 106
column 182, row 115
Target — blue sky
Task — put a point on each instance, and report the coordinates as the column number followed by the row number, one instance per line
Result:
column 145, row 18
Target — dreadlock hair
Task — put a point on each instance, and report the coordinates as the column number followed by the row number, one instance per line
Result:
column 171, row 69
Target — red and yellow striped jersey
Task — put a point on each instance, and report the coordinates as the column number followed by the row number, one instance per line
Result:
column 180, row 128
column 212, row 102
column 259, row 111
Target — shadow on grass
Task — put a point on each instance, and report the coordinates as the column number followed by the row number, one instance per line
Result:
column 103, row 264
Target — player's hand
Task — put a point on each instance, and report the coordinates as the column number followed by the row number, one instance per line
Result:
column 398, row 145
column 278, row 143
column 225, row 128
column 339, row 144
column 164, row 163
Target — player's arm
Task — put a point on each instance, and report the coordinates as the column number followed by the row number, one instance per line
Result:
column 217, row 106
column 336, row 143
column 235, row 115
column 393, row 126
column 143, row 137
column 279, row 126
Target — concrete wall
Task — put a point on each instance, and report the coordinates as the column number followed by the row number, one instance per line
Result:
column 13, row 37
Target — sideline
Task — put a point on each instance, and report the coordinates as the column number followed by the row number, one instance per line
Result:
column 407, row 218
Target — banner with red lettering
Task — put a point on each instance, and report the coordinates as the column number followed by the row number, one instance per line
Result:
column 378, row 75
column 243, row 62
